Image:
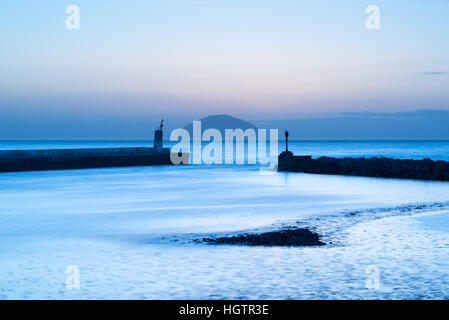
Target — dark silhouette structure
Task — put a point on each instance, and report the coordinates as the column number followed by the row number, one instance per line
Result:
column 158, row 138
column 285, row 156
column 379, row 167
column 58, row 159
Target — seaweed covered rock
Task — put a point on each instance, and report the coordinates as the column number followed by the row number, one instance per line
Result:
column 286, row 237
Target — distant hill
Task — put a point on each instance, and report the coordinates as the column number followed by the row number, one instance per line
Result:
column 222, row 122
column 420, row 124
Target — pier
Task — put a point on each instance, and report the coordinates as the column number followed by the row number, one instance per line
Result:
column 62, row 159
column 378, row 167
column 55, row 159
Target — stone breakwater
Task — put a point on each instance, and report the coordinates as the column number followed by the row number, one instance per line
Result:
column 378, row 167
column 58, row 159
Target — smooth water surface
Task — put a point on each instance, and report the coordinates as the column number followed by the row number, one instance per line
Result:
column 130, row 230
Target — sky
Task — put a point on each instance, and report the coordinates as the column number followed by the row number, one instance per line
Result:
column 136, row 61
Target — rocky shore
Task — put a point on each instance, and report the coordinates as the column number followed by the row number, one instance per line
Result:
column 368, row 167
column 286, row 237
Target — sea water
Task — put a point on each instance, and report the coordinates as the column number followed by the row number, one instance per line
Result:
column 130, row 232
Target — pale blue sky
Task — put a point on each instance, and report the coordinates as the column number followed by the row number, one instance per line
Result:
column 259, row 59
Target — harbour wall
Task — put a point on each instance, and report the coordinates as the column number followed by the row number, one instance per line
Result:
column 380, row 167
column 58, row 159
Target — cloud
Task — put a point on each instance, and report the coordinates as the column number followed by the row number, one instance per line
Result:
column 433, row 73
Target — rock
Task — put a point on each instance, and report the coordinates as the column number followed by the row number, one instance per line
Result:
column 286, row 237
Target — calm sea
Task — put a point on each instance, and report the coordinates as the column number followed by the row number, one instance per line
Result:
column 130, row 231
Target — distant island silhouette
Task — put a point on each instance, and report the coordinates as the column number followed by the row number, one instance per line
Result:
column 222, row 122
column 419, row 124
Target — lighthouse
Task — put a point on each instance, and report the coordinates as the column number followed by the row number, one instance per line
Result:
column 158, row 137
